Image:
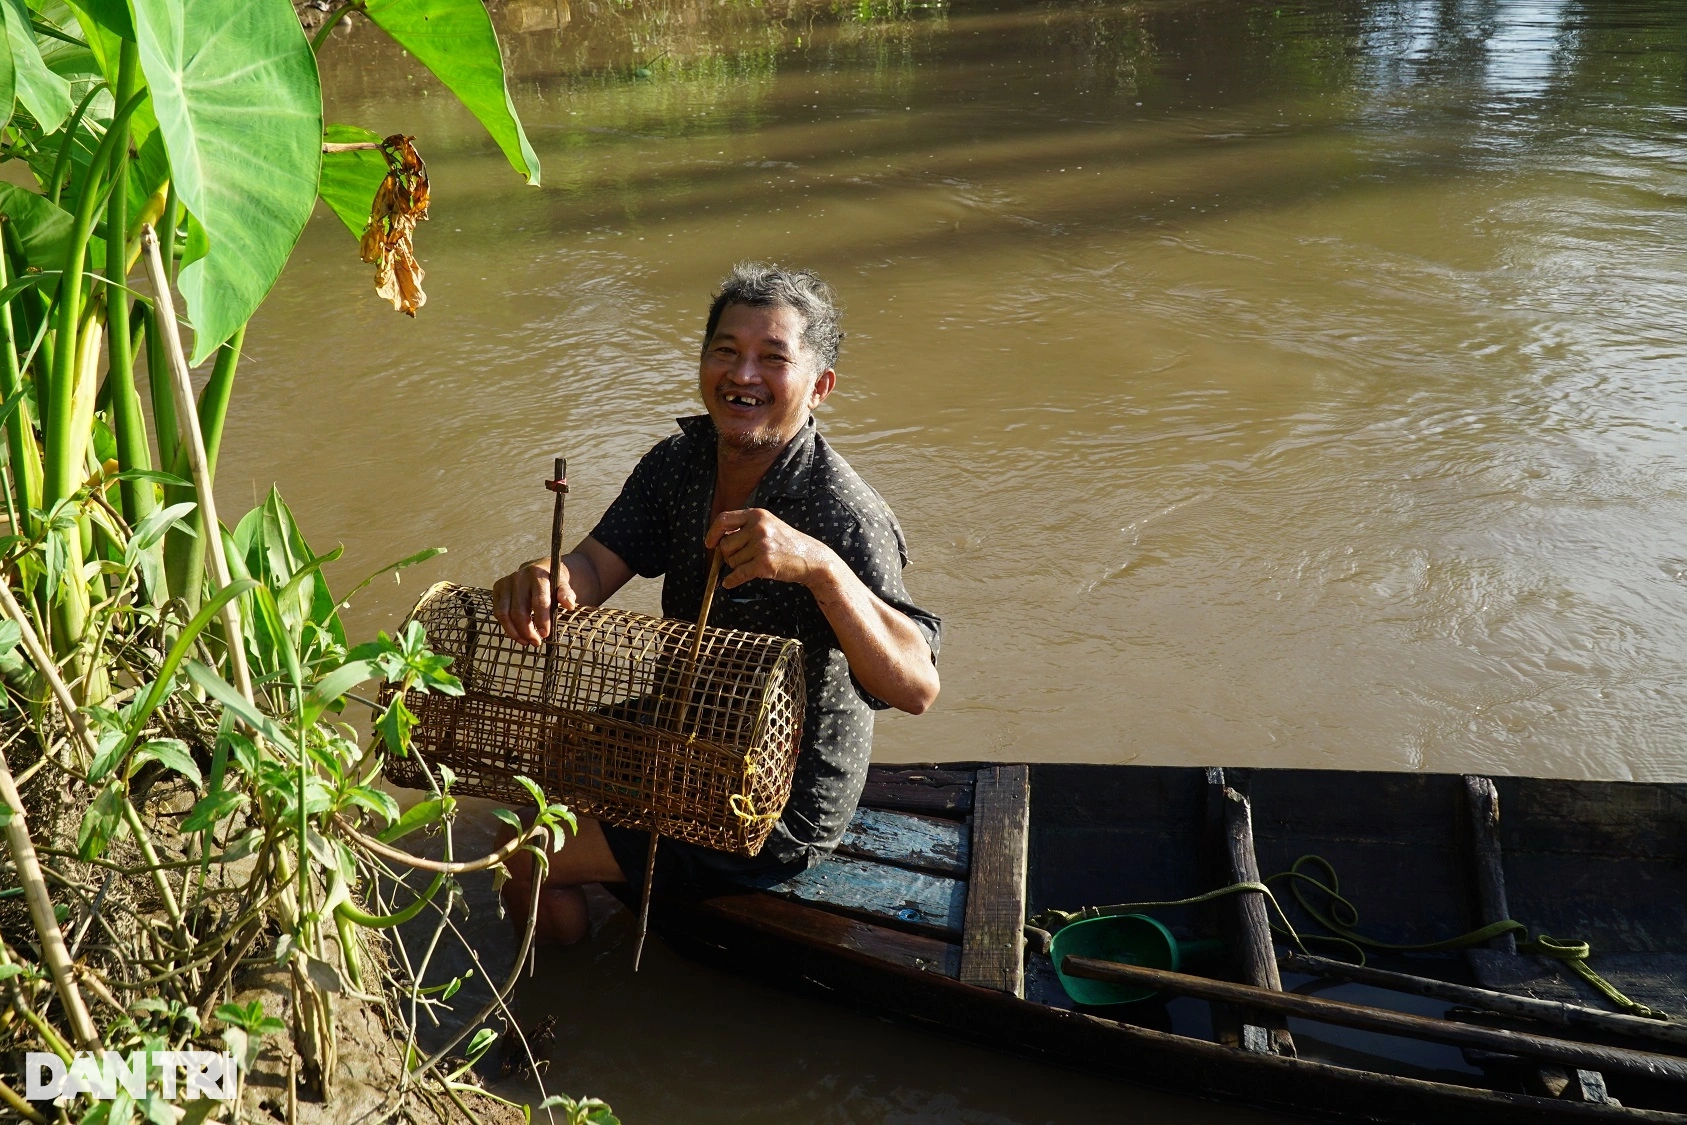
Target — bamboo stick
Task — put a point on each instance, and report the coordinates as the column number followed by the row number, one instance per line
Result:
column 1528, row 1007
column 1590, row 1056
column 558, row 484
column 43, row 661
column 34, row 884
column 187, row 418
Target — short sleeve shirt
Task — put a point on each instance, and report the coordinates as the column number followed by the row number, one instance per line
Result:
column 657, row 526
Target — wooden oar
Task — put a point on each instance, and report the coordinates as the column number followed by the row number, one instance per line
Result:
column 1580, row 1055
column 1548, row 1011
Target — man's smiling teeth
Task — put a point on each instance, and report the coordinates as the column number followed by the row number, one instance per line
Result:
column 742, row 400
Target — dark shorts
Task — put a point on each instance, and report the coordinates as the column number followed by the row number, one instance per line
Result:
column 687, row 871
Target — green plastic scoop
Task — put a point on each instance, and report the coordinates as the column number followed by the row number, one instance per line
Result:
column 1133, row 939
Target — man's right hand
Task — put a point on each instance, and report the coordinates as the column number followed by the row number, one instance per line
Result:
column 523, row 602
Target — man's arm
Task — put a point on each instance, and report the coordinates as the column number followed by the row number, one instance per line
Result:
column 886, row 651
column 591, row 574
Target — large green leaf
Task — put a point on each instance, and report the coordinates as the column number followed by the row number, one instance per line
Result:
column 8, row 91
column 110, row 16
column 44, row 94
column 94, row 23
column 235, row 90
column 455, row 40
column 43, row 228
column 350, row 179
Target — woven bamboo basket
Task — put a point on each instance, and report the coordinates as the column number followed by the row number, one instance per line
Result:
column 615, row 718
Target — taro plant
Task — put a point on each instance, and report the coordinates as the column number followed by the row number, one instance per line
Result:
column 193, row 806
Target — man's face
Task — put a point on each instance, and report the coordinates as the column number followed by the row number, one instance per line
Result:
column 757, row 377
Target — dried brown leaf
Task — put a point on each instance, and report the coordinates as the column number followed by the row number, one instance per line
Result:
column 400, row 203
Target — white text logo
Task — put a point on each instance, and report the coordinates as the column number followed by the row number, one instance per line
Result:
column 196, row 1074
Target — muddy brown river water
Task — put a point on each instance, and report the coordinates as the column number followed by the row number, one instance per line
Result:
column 1268, row 384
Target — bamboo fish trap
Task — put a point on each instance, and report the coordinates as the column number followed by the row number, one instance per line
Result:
column 615, row 718
column 679, row 729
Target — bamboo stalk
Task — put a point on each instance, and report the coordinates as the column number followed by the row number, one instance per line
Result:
column 559, row 485
column 1644, row 1063
column 188, row 419
column 43, row 661
column 1528, row 1007
column 34, row 884
column 20, row 1107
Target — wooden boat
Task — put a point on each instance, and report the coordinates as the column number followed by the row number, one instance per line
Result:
column 920, row 916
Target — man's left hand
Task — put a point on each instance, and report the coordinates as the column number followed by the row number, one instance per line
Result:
column 758, row 544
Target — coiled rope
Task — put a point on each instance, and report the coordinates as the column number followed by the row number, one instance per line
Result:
column 1340, row 918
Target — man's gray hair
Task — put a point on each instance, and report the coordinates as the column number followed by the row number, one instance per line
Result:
column 763, row 285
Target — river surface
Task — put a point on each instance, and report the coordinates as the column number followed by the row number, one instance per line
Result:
column 1265, row 384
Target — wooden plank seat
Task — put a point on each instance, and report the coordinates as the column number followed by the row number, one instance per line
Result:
column 881, row 892
column 924, row 843
column 919, row 789
column 926, row 874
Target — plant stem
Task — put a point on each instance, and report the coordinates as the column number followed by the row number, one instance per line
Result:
column 185, row 554
column 158, row 383
column 332, row 22
column 485, row 862
column 20, row 435
column 20, row 1107
column 397, row 918
column 139, row 499
column 172, row 220
column 150, row 855
column 32, row 312
column 56, row 183
column 182, row 387
column 214, row 399
column 58, row 475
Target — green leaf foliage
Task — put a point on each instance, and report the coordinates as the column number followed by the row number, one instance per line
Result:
column 250, row 1017
column 171, row 753
column 220, row 690
column 375, row 800
column 152, row 529
column 455, row 40
column 212, row 809
column 586, row 1111
column 42, row 226
column 235, row 90
column 331, row 687
column 8, row 85
column 395, row 725
column 44, row 94
column 148, row 172
column 101, row 824
column 274, row 551
column 419, row 815
column 112, row 15
column 350, row 179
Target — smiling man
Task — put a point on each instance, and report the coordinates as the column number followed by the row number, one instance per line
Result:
column 810, row 550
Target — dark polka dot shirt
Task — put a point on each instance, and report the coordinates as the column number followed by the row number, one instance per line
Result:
column 657, row 526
